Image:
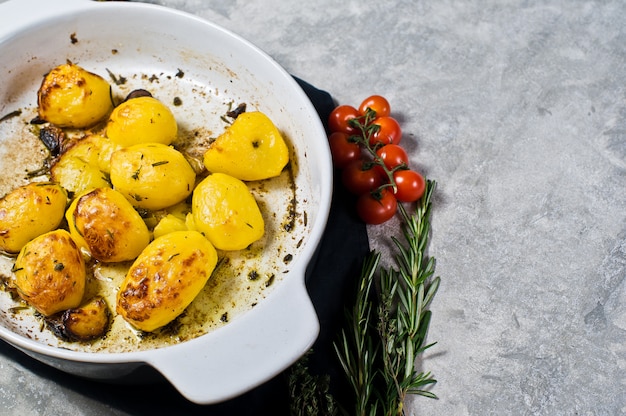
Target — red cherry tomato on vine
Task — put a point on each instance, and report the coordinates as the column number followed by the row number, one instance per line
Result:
column 389, row 131
column 342, row 149
column 410, row 185
column 339, row 118
column 360, row 177
column 376, row 103
column 377, row 207
column 393, row 156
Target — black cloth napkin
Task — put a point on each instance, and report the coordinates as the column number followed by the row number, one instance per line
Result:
column 331, row 280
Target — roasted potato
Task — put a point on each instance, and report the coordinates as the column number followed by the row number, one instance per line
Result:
column 93, row 149
column 104, row 223
column 75, row 175
column 29, row 211
column 226, row 212
column 50, row 273
column 84, row 323
column 252, row 148
column 141, row 120
column 70, row 96
column 165, row 279
column 152, row 176
column 168, row 224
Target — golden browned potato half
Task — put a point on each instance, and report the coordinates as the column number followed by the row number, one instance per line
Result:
column 29, row 211
column 252, row 148
column 226, row 212
column 104, row 223
column 86, row 322
column 165, row 279
column 70, row 96
column 141, row 120
column 152, row 176
column 50, row 273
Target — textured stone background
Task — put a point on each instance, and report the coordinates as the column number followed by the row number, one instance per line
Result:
column 518, row 109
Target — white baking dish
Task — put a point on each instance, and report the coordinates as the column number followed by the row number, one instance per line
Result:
column 134, row 38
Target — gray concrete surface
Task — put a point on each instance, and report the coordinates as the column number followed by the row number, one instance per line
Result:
column 518, row 110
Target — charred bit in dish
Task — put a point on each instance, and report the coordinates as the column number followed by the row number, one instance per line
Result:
column 52, row 137
column 241, row 108
column 10, row 115
column 117, row 80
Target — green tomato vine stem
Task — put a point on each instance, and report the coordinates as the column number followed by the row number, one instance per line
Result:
column 366, row 131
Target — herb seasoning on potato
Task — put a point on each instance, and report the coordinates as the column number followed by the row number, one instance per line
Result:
column 141, row 172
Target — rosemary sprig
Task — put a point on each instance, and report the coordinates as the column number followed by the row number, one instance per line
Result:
column 379, row 345
column 358, row 350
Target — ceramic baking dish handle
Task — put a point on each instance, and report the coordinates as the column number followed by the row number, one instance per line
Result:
column 230, row 361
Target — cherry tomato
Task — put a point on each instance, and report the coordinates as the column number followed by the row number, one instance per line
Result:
column 389, row 131
column 339, row 117
column 393, row 156
column 410, row 185
column 360, row 177
column 376, row 103
column 342, row 149
column 377, row 207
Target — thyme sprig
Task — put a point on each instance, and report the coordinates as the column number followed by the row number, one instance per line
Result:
column 380, row 344
column 309, row 393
